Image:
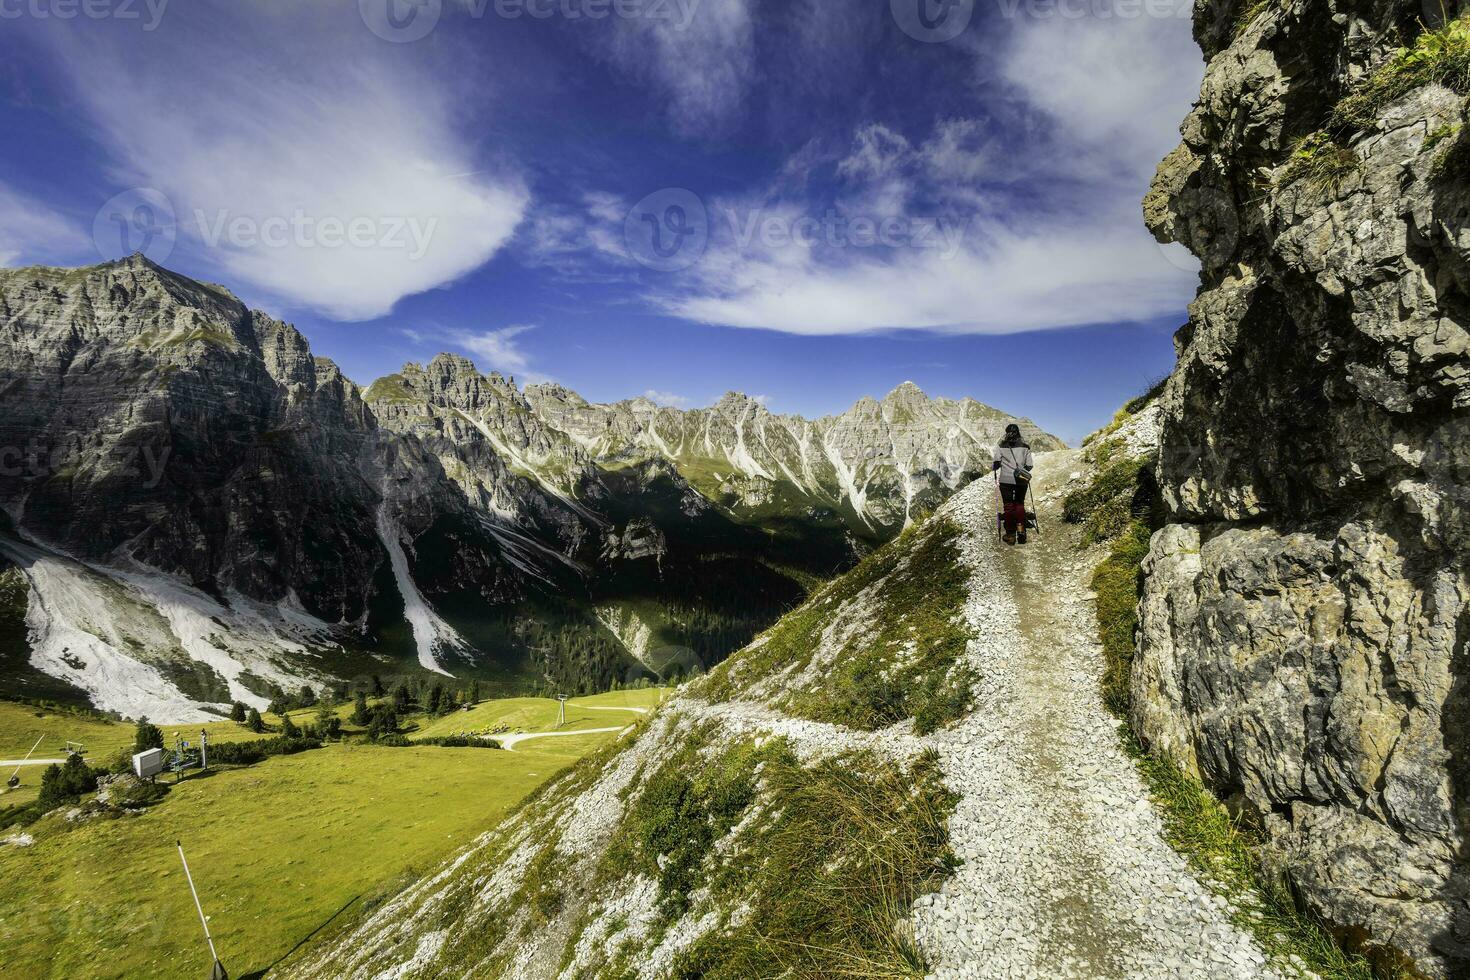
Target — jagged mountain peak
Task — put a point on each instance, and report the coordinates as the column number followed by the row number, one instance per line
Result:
column 738, row 402
column 905, row 390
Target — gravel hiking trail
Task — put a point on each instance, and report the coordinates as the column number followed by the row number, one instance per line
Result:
column 1066, row 872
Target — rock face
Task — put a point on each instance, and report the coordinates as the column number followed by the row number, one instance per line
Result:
column 197, row 510
column 1305, row 626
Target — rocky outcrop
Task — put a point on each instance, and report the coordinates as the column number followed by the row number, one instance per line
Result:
column 1306, row 616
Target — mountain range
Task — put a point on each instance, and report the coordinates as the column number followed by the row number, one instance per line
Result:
column 197, row 510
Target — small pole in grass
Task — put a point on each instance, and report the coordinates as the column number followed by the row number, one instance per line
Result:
column 562, row 703
column 218, row 973
column 14, row 780
column 203, row 750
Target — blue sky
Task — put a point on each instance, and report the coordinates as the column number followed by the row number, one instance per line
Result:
column 806, row 200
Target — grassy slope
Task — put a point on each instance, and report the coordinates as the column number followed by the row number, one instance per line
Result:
column 895, row 654
column 653, row 850
column 277, row 848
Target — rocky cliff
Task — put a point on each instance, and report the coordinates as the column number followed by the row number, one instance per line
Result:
column 202, row 511
column 1305, row 623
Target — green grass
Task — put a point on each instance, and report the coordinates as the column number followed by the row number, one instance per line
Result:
column 1437, row 56
column 907, row 661
column 1452, row 161
column 1249, row 11
column 830, row 878
column 277, row 850
column 104, row 742
column 540, row 715
column 391, row 388
column 1325, row 165
column 1116, row 494
column 1116, row 583
column 1227, row 856
column 817, row 867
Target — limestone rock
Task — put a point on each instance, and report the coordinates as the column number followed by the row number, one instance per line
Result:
column 1304, row 627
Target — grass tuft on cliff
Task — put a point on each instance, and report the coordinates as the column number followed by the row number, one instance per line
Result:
column 1322, row 162
column 1225, row 854
column 1249, row 12
column 1437, row 56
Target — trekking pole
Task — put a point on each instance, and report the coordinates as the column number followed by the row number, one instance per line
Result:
column 219, row 970
column 999, row 509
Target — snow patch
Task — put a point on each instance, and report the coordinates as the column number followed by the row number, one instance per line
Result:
column 430, row 633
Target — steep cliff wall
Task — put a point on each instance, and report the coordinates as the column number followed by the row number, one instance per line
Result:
column 1305, row 618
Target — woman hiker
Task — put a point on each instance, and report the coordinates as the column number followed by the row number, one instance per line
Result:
column 1013, row 464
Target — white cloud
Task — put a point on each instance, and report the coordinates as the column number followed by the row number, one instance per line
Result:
column 877, row 151
column 1057, row 275
column 700, row 58
column 284, row 120
column 497, row 350
column 33, row 232
column 1047, row 189
column 667, row 398
column 1116, row 86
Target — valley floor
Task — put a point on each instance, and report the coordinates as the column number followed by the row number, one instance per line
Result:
column 280, row 850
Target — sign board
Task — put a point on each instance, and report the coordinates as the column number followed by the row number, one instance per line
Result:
column 150, row 763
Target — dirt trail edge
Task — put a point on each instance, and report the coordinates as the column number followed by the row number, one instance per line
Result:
column 1066, row 871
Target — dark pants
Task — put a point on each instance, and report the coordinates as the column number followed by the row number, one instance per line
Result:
column 1014, row 497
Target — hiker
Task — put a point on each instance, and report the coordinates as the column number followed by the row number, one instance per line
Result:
column 1012, row 465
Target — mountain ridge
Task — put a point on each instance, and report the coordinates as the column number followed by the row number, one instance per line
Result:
column 440, row 519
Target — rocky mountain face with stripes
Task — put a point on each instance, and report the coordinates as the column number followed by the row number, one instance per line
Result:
column 1305, row 637
column 199, row 510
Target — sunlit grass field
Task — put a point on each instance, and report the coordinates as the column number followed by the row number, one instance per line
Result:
column 277, row 849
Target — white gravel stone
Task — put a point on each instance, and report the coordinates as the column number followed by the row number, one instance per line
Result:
column 1066, row 872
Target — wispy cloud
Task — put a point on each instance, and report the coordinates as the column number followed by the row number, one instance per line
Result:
column 701, row 60
column 345, row 165
column 1044, row 202
column 667, row 399
column 498, row 350
column 33, row 232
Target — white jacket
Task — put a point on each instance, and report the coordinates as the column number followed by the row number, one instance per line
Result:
column 1012, row 458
